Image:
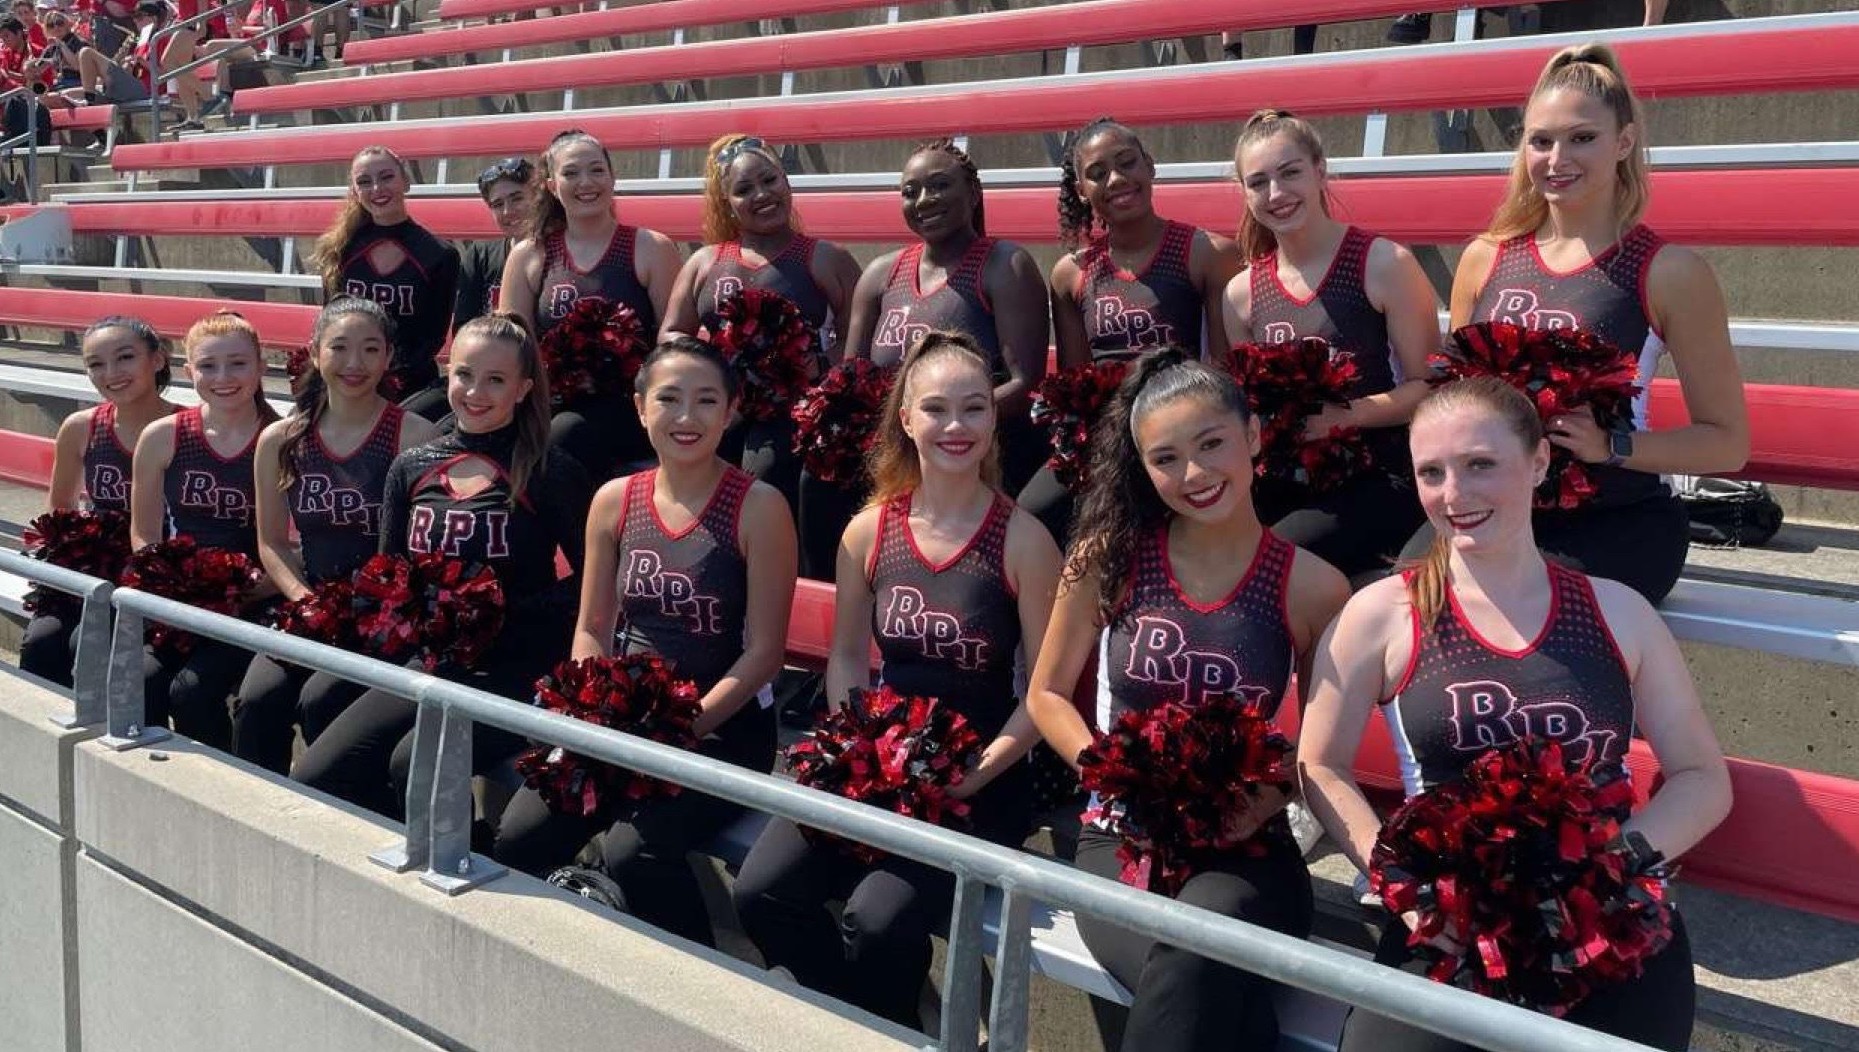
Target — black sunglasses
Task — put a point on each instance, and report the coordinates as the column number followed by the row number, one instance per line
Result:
column 728, row 154
column 516, row 168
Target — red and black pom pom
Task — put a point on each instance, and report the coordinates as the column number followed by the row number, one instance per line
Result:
column 1515, row 864
column 439, row 610
column 1287, row 383
column 1171, row 779
column 1562, row 372
column 835, row 420
column 593, row 352
column 639, row 694
column 90, row 542
column 326, row 614
column 766, row 339
column 212, row 579
column 899, row 753
column 1068, row 405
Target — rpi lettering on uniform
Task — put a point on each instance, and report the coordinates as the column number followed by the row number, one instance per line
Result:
column 647, row 578
column 107, row 482
column 1486, row 714
column 458, row 526
column 728, row 285
column 897, row 331
column 1159, row 654
column 317, row 494
column 1521, row 307
column 908, row 616
column 1135, row 324
column 1279, row 332
column 397, row 299
column 558, row 300
column 201, row 491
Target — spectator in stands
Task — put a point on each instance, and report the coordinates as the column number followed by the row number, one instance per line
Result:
column 1311, row 275
column 546, row 275
column 1566, row 247
column 192, row 477
column 182, row 47
column 20, row 62
column 752, row 238
column 939, row 533
column 320, row 476
column 375, row 250
column 1167, row 543
column 702, row 520
column 1484, row 605
column 86, row 72
column 1303, row 42
column 1131, row 281
column 128, row 365
column 509, row 193
column 488, row 492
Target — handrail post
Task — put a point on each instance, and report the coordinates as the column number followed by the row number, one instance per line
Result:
column 450, row 866
column 961, row 973
column 128, row 712
column 154, row 87
column 414, row 849
column 1013, row 973
column 32, row 150
column 90, row 678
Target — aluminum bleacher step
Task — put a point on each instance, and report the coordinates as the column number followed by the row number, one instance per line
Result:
column 1810, row 627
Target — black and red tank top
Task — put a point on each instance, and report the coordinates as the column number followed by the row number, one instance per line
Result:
column 789, row 273
column 209, row 496
column 1463, row 696
column 1166, row 647
column 684, row 594
column 335, row 501
column 1337, row 310
column 107, row 462
column 1606, row 297
column 947, row 630
column 1128, row 313
column 613, row 278
column 959, row 304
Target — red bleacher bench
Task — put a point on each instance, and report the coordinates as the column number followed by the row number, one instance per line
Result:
column 279, row 324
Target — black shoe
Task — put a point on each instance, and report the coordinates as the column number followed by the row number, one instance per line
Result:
column 218, row 102
column 1411, row 29
column 590, row 884
column 187, row 126
column 1235, row 51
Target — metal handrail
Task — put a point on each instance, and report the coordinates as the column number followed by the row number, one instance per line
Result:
column 89, row 672
column 155, row 76
column 30, row 138
column 439, row 822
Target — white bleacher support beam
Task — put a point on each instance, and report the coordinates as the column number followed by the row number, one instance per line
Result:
column 1375, row 135
column 1810, row 627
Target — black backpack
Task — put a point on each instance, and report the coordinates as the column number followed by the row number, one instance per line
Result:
column 1729, row 514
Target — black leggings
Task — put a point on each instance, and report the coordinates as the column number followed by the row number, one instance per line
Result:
column 645, row 852
column 604, row 434
column 765, row 449
column 191, row 691
column 1656, row 1009
column 1357, row 527
column 274, row 700
column 428, row 402
column 1046, row 499
column 826, row 509
column 878, row 954
column 1023, row 450
column 1185, row 1002
column 1642, row 545
column 48, row 650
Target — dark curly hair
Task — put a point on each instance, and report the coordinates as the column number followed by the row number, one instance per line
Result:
column 969, row 173
column 1121, row 506
column 1077, row 221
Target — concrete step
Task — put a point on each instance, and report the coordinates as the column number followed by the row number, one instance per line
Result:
column 330, row 72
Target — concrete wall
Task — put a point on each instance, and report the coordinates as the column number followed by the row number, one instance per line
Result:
column 166, row 899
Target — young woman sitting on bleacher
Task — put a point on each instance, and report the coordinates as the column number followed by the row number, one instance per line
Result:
column 491, row 493
column 1131, row 281
column 699, row 520
column 1173, row 578
column 1309, row 274
column 1566, row 248
column 752, row 238
column 509, row 193
column 578, row 249
column 320, row 473
column 938, row 540
column 193, row 477
column 185, row 46
column 375, row 251
column 1485, row 607
column 91, row 459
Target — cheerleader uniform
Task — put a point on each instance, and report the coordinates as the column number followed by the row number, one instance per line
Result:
column 480, row 280
column 1463, row 696
column 1634, row 530
column 768, row 445
column 948, row 631
column 419, row 293
column 1126, row 314
column 363, row 756
column 335, row 503
column 1166, row 647
column 1358, row 525
column 684, row 595
column 49, row 647
column 604, row 434
column 208, row 497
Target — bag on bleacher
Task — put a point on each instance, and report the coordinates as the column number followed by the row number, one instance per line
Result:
column 1727, row 513
column 16, row 118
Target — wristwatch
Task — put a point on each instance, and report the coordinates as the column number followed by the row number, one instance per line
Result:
column 1619, row 448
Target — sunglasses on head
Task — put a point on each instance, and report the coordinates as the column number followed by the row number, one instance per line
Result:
column 728, row 154
column 516, row 168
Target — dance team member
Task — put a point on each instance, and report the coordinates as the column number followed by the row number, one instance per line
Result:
column 508, row 193
column 752, row 239
column 1313, row 275
column 375, row 251
column 1566, row 248
column 91, row 458
column 694, row 561
column 1183, row 592
column 1485, row 608
column 1131, row 281
column 938, row 544
column 320, row 474
column 545, row 277
column 192, row 476
column 488, row 492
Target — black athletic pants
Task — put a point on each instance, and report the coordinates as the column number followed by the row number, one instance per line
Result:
column 1642, row 545
column 48, row 650
column 275, row 699
column 1357, row 527
column 645, row 852
column 428, row 402
column 604, row 434
column 1656, row 1009
column 1185, row 1002
column 1023, row 451
column 1046, row 499
column 826, row 509
column 191, row 691
column 878, row 955
column 765, row 449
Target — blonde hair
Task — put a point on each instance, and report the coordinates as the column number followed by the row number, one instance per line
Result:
column 326, row 255
column 893, row 461
column 1594, row 71
column 1255, row 238
column 532, row 416
column 231, row 323
column 719, row 219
